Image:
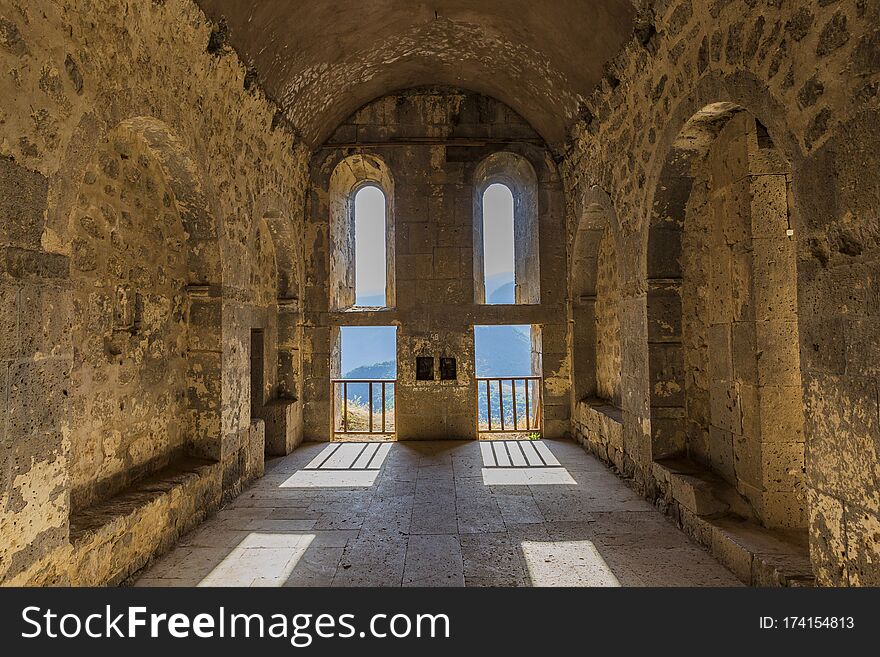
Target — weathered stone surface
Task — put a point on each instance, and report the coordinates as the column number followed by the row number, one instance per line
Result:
column 704, row 256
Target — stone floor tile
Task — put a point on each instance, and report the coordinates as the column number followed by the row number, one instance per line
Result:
column 433, row 515
column 433, row 560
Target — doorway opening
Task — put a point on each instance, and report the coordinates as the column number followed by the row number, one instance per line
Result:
column 364, row 368
column 509, row 386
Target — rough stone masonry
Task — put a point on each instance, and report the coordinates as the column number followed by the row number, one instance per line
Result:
column 696, row 241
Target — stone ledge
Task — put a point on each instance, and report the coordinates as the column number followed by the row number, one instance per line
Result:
column 284, row 426
column 598, row 426
column 711, row 511
column 115, row 538
column 604, row 408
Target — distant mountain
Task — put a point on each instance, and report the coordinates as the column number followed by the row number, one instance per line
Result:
column 504, row 294
column 500, row 288
column 367, row 346
column 503, row 350
column 371, row 301
column 385, row 370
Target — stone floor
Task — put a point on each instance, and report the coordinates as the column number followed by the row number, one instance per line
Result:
column 500, row 513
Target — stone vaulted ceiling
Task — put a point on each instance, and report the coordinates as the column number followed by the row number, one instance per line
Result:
column 322, row 60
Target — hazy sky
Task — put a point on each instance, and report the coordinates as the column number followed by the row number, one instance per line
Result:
column 369, row 227
column 498, row 230
column 369, row 242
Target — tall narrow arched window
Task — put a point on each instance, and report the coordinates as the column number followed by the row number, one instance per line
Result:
column 361, row 205
column 506, row 262
column 498, row 245
column 370, row 260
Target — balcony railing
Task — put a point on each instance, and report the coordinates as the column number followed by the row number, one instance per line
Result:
column 510, row 404
column 363, row 406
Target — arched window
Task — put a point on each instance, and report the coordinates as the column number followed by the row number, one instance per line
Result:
column 498, row 245
column 370, row 272
column 361, row 198
column 506, row 263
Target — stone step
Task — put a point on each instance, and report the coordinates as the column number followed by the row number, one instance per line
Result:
column 712, row 512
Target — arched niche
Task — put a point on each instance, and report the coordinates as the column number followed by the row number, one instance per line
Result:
column 724, row 367
column 518, row 175
column 145, row 285
column 595, row 301
column 273, row 213
column 348, row 177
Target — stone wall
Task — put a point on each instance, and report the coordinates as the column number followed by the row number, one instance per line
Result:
column 809, row 73
column 129, row 322
column 92, row 241
column 430, row 150
column 607, row 322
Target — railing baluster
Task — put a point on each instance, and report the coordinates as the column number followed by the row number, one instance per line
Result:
column 489, row 404
column 533, row 404
column 540, row 419
column 515, row 418
column 372, row 421
column 345, row 406
column 501, row 401
column 333, row 430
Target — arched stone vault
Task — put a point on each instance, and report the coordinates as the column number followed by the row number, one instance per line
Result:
column 510, row 50
column 628, row 97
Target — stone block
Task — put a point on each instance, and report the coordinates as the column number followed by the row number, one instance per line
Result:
column 862, row 346
column 416, row 238
column 748, row 460
column 664, row 312
column 863, row 543
column 782, row 413
column 283, row 426
column 666, row 375
column 45, row 321
column 695, row 494
column 725, row 406
column 720, row 352
column 775, row 280
column 204, row 324
column 733, row 555
column 415, row 267
column 742, row 299
column 255, row 451
column 778, row 353
column 9, row 331
column 721, row 452
column 668, row 436
column 750, row 405
column 38, row 394
column 822, row 349
column 782, row 508
column 22, row 213
column 446, row 262
column 783, row 466
column 842, row 424
column 664, row 253
column 769, row 204
column 744, row 352
column 828, row 548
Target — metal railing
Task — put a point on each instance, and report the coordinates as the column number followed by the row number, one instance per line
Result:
column 525, row 404
column 372, row 413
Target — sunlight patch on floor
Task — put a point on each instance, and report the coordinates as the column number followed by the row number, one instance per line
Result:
column 521, row 462
column 526, row 477
column 342, row 465
column 261, row 559
column 567, row 563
